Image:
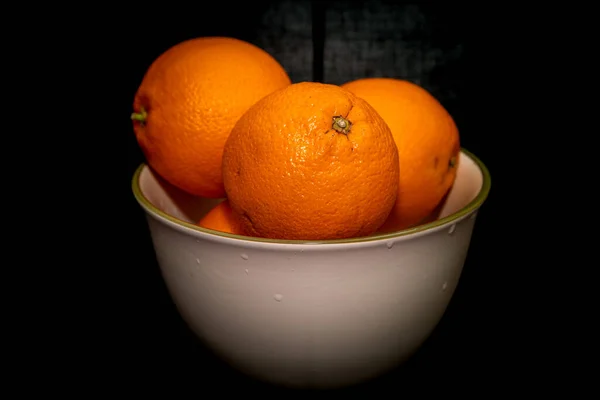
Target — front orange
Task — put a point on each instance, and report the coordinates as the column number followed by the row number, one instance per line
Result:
column 311, row 162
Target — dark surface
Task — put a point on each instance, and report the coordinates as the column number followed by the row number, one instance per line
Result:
column 333, row 42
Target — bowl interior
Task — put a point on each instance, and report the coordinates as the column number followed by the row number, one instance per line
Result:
column 159, row 197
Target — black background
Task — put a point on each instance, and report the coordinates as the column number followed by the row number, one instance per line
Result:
column 436, row 46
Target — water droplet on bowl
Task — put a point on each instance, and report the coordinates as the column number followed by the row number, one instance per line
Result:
column 452, row 229
column 389, row 245
column 246, row 270
column 198, row 261
column 278, row 297
column 445, row 286
column 244, row 256
column 197, row 240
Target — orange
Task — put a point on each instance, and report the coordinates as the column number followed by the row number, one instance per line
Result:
column 222, row 218
column 311, row 162
column 188, row 101
column 428, row 145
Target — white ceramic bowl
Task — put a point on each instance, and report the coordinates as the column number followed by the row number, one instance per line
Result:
column 311, row 314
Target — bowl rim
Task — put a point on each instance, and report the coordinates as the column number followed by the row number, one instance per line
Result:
column 468, row 209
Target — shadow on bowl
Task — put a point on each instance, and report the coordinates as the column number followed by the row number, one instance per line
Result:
column 311, row 314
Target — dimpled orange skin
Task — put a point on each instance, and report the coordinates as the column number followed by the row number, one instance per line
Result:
column 291, row 175
column 222, row 218
column 193, row 94
column 428, row 145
